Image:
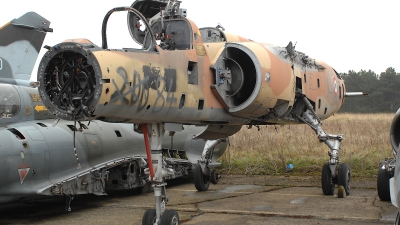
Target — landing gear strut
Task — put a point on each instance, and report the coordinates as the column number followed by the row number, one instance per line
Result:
column 68, row 200
column 333, row 172
column 203, row 175
column 158, row 175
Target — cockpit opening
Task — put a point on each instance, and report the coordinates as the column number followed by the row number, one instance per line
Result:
column 10, row 103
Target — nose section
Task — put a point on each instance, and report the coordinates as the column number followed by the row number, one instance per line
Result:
column 69, row 75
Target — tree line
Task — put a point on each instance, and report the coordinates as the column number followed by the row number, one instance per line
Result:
column 383, row 91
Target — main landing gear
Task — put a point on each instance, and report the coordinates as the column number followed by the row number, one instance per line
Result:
column 203, row 175
column 333, row 172
column 158, row 174
column 385, row 172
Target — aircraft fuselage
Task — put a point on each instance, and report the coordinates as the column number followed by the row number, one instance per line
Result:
column 188, row 79
column 37, row 158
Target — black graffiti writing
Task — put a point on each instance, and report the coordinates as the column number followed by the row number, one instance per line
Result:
column 171, row 96
column 160, row 96
column 137, row 92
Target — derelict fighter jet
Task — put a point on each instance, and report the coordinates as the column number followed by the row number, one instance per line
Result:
column 182, row 74
column 38, row 159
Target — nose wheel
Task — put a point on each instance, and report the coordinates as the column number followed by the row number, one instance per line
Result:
column 344, row 176
column 328, row 183
column 340, row 176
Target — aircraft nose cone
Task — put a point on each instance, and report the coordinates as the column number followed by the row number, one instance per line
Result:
column 69, row 76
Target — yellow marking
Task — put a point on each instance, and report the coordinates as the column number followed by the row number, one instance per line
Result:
column 40, row 108
column 28, row 111
column 200, row 50
column 5, row 25
column 36, row 98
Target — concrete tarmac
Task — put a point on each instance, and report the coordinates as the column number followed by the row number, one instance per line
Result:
column 235, row 200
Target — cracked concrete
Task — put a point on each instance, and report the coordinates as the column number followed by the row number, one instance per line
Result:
column 236, row 200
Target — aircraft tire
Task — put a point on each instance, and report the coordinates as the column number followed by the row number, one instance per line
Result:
column 328, row 186
column 170, row 217
column 214, row 178
column 344, row 177
column 201, row 182
column 149, row 217
column 383, row 185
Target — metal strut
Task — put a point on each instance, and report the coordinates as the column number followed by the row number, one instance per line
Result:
column 206, row 158
column 332, row 141
column 158, row 172
column 208, row 151
column 68, row 200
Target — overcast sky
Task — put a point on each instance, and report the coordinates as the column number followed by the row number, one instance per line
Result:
column 348, row 35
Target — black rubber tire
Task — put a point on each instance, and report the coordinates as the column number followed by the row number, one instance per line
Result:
column 214, row 176
column 383, row 185
column 170, row 217
column 344, row 177
column 149, row 217
column 328, row 186
column 201, row 182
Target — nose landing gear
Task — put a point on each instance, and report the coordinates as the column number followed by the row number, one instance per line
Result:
column 333, row 172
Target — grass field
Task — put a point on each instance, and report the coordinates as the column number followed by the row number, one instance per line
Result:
column 366, row 142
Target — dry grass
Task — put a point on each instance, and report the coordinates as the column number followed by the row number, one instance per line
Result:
column 366, row 142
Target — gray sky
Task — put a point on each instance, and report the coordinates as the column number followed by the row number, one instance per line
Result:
column 346, row 34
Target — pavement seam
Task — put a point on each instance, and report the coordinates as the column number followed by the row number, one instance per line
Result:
column 239, row 194
column 277, row 214
column 380, row 207
column 201, row 212
column 196, row 210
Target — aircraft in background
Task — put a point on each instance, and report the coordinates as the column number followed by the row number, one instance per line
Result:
column 40, row 158
column 388, row 182
column 20, row 43
column 185, row 75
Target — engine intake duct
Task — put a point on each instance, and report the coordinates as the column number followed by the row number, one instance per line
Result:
column 239, row 82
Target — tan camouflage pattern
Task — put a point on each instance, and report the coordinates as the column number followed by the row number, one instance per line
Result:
column 140, row 86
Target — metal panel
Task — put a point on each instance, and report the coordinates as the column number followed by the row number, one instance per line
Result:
column 94, row 145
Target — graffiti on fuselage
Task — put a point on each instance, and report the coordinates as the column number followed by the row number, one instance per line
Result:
column 137, row 91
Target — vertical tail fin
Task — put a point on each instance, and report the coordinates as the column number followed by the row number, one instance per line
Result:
column 20, row 43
